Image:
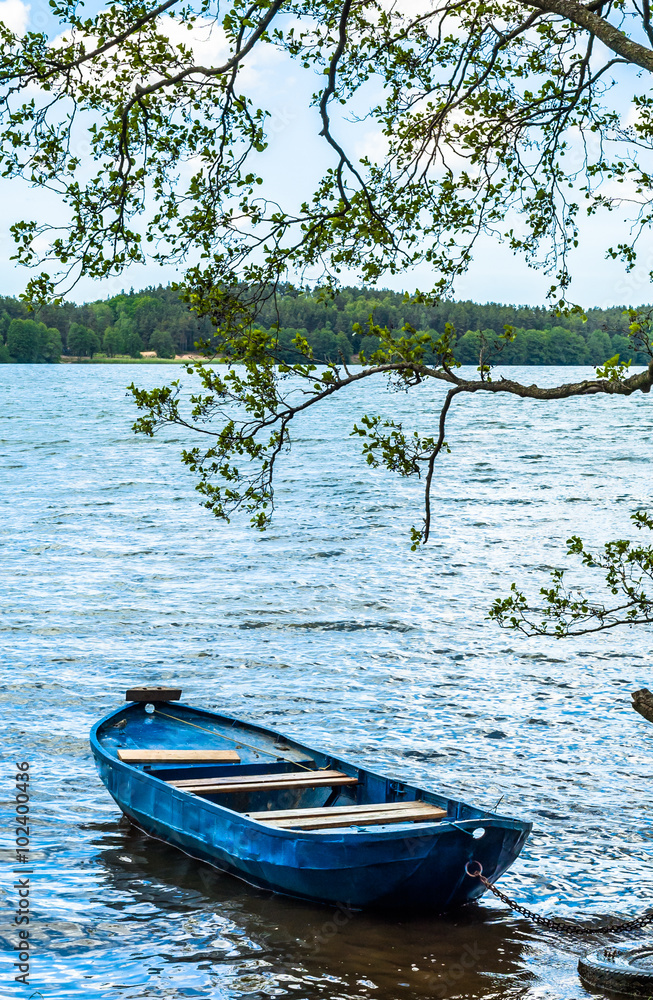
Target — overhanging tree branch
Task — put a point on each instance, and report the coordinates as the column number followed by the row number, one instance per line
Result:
column 564, row 612
column 480, row 104
column 585, row 17
column 253, row 402
column 440, row 444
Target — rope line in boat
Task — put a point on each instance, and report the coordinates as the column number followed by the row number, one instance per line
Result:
column 552, row 923
column 250, row 746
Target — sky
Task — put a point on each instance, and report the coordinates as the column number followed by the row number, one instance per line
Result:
column 296, row 157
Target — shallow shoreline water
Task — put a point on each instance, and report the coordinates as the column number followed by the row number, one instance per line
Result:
column 328, row 627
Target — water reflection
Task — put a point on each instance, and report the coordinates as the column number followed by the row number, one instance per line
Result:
column 214, row 920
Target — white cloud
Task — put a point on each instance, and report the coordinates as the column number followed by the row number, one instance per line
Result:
column 206, row 39
column 210, row 48
column 14, row 14
column 373, row 144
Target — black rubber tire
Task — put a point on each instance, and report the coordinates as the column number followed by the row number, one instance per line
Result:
column 625, row 971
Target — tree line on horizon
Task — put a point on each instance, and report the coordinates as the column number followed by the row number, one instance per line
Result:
column 155, row 319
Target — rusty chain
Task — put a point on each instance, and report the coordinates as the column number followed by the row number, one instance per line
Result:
column 552, row 924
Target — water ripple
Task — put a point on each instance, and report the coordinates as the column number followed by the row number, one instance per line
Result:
column 329, row 627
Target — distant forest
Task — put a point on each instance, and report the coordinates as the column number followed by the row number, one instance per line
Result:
column 155, row 320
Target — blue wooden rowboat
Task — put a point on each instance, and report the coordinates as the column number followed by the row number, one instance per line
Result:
column 286, row 817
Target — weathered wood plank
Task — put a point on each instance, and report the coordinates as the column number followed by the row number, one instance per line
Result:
column 337, row 810
column 256, row 778
column 643, row 703
column 152, row 755
column 153, row 694
column 421, row 813
column 264, row 782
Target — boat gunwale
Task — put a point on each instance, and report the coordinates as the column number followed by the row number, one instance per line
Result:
column 421, row 829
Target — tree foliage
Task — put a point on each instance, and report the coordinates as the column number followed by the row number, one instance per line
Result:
column 29, row 342
column 123, row 323
column 82, row 342
column 498, row 118
column 162, row 343
column 565, row 611
column 339, row 325
column 489, row 111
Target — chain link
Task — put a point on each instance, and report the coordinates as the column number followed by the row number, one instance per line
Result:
column 552, row 924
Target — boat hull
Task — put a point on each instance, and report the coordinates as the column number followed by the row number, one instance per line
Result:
column 406, row 865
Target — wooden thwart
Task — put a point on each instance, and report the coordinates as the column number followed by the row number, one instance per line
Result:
column 343, row 810
column 367, row 815
column 264, row 782
column 152, row 756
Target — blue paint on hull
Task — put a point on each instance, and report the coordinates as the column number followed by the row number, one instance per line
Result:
column 399, row 865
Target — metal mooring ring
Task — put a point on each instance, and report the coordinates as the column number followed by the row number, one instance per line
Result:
column 479, row 869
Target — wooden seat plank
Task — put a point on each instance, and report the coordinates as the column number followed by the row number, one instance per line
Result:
column 264, row 777
column 152, row 755
column 264, row 782
column 420, row 812
column 344, row 810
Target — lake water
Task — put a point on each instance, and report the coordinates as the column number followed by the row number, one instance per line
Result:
column 329, row 628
